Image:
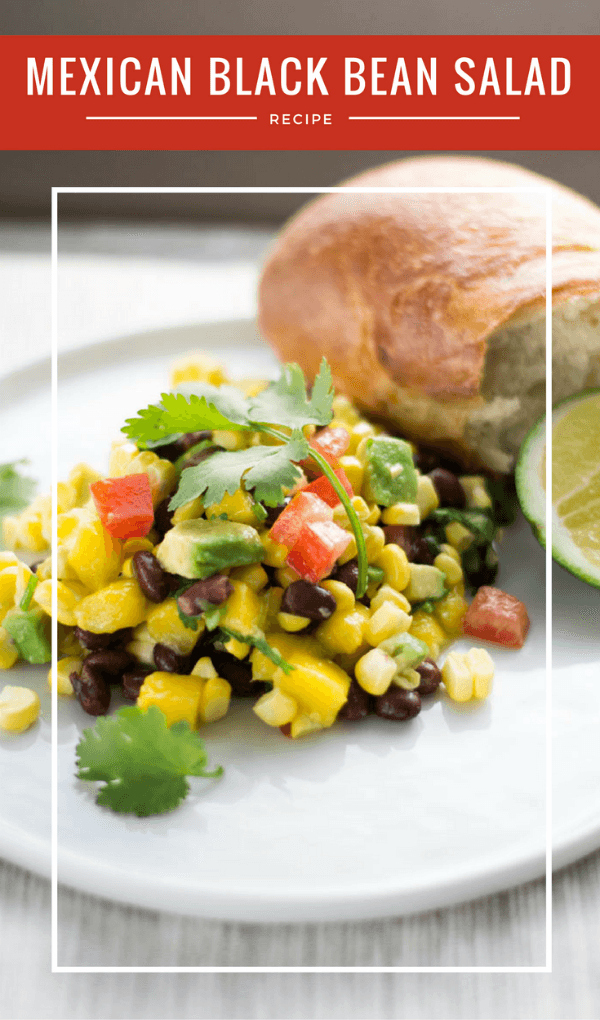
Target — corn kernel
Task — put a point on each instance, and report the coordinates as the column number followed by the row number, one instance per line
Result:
column 478, row 498
column 286, row 576
column 64, row 667
column 353, row 469
column 388, row 619
column 449, row 611
column 359, row 433
column 189, row 511
column 304, row 724
column 350, row 552
column 345, row 411
column 67, row 642
column 254, row 575
column 387, row 594
column 408, row 679
column 457, row 677
column 91, row 552
column 394, row 563
column 19, row 708
column 204, row 669
column 238, row 648
column 80, row 479
column 482, row 670
column 459, row 537
column 427, row 629
column 179, row 697
column 375, row 671
column 68, row 598
column 449, row 550
column 243, row 609
column 142, row 645
column 275, row 554
column 449, row 567
column 360, row 506
column 133, row 545
column 343, row 595
column 8, row 650
column 165, row 627
column 271, row 606
column 374, row 514
column 118, row 605
column 229, row 439
column 374, row 541
column 427, row 497
column 291, row 622
column 8, row 585
column 238, row 508
column 276, row 708
column 198, row 367
column 318, row 685
column 215, row 699
column 401, row 513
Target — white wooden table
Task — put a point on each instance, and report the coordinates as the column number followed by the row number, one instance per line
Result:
column 502, row 930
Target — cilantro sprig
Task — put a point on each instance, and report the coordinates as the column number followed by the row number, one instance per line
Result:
column 280, row 411
column 142, row 762
column 16, row 490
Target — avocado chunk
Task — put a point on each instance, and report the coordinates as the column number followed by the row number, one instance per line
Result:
column 200, row 548
column 30, row 631
column 406, row 650
column 390, row 476
column 426, row 582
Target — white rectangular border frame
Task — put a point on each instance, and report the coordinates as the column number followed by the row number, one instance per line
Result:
column 547, row 968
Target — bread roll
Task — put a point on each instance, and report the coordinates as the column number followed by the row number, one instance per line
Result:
column 430, row 308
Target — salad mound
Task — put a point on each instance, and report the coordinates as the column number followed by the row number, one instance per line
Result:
column 254, row 540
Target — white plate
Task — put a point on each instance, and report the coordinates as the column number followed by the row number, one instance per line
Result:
column 362, row 820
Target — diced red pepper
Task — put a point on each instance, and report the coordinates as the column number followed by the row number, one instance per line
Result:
column 323, row 488
column 331, row 444
column 495, row 616
column 304, row 507
column 316, row 551
column 124, row 505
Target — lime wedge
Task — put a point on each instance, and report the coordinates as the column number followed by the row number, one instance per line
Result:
column 575, row 484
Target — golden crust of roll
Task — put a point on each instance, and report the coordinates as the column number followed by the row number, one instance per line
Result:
column 408, row 296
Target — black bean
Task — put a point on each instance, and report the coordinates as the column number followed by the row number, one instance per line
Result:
column 400, row 534
column 150, row 576
column 171, row 451
column 197, row 458
column 427, row 460
column 421, row 550
column 92, row 690
column 274, row 511
column 163, row 517
column 169, row 661
column 215, row 589
column 449, row 490
column 238, row 673
column 133, row 680
column 431, row 678
column 398, row 704
column 301, row 598
column 111, row 661
column 34, row 566
column 358, row 705
column 96, row 642
column 348, row 574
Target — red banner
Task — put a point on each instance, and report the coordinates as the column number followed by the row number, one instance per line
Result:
column 298, row 92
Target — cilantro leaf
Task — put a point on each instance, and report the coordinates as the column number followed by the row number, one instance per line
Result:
column 142, row 762
column 176, row 414
column 258, row 640
column 16, row 491
column 479, row 522
column 266, row 469
column 285, row 401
